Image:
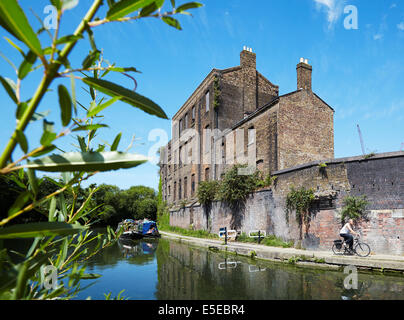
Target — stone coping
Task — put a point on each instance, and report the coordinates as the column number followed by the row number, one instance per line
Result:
column 317, row 258
column 385, row 155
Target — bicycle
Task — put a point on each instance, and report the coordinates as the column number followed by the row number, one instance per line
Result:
column 359, row 248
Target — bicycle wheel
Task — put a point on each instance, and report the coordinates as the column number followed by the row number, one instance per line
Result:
column 362, row 249
column 337, row 250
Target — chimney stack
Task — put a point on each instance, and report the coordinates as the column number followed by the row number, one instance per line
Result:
column 304, row 71
column 248, row 58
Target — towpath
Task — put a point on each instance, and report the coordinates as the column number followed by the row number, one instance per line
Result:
column 303, row 257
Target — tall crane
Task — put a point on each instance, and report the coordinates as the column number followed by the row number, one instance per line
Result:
column 361, row 139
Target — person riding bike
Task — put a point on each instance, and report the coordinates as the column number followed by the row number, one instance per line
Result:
column 346, row 233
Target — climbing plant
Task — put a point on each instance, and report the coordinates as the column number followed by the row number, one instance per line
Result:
column 216, row 92
column 354, row 208
column 207, row 191
column 235, row 187
column 300, row 201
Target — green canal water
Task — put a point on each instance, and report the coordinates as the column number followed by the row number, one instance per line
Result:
column 166, row 269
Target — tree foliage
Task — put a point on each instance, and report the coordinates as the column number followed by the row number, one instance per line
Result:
column 300, row 201
column 207, row 191
column 354, row 208
column 62, row 239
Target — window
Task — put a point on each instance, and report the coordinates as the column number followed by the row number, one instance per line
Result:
column 206, row 138
column 193, row 184
column 251, row 135
column 175, row 190
column 180, row 127
column 207, row 174
column 186, row 121
column 185, row 187
column 179, row 190
column 180, row 158
column 193, row 113
column 207, row 101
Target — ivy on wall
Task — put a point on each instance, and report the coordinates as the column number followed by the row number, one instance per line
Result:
column 216, row 92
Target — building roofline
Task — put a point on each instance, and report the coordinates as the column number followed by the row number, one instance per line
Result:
column 213, row 71
column 266, row 79
column 323, row 101
column 263, row 108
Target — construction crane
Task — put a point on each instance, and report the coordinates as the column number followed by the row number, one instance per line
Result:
column 361, row 139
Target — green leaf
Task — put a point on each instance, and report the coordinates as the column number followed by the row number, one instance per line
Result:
column 22, row 140
column 126, row 95
column 125, row 7
column 69, row 4
column 172, row 22
column 15, row 46
column 111, row 3
column 69, row 38
column 73, row 90
column 115, row 144
column 86, row 161
column 152, row 7
column 26, row 65
column 82, row 144
column 88, row 276
column 33, row 181
column 9, row 89
column 13, row 19
column 189, row 5
column 52, row 209
column 46, row 150
column 63, row 253
column 90, row 127
column 91, row 59
column 97, row 109
column 21, row 200
column 65, row 103
column 57, row 4
column 21, row 110
column 40, row 229
column 47, row 138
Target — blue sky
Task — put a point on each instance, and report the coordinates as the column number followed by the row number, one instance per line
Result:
column 360, row 73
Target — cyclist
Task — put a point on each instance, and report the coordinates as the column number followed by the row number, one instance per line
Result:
column 346, row 233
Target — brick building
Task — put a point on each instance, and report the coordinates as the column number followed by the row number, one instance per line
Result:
column 236, row 115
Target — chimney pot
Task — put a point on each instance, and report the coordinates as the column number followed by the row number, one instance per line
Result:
column 248, row 58
column 304, row 71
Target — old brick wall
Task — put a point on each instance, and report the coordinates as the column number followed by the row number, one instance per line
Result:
column 305, row 129
column 381, row 179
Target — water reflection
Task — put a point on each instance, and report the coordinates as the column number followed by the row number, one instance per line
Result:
column 193, row 273
column 162, row 269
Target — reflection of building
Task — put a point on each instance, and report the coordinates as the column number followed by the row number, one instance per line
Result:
column 233, row 110
column 186, row 273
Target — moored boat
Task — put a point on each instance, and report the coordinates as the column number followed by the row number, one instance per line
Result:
column 140, row 229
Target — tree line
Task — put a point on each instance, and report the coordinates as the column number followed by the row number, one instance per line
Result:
column 109, row 203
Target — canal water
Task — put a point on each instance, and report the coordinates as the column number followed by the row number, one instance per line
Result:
column 167, row 269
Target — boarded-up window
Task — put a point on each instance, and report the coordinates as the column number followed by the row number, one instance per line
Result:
column 207, row 174
column 193, row 184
